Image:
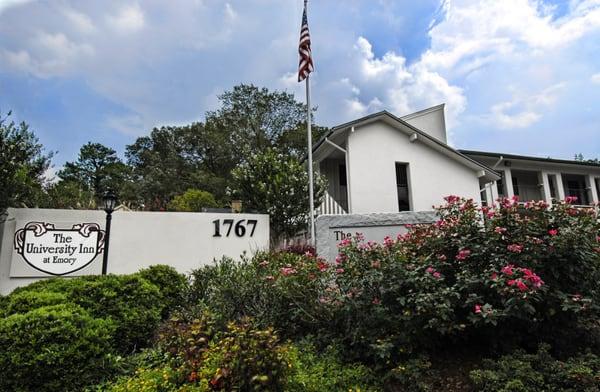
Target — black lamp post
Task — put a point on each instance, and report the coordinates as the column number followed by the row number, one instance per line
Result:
column 110, row 201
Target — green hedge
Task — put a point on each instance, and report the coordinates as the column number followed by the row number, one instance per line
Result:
column 54, row 348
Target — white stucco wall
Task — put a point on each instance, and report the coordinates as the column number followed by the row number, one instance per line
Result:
column 373, row 150
column 431, row 121
column 184, row 240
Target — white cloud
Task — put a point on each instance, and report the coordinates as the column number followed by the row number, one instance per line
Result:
column 128, row 19
column 595, row 78
column 82, row 22
column 6, row 4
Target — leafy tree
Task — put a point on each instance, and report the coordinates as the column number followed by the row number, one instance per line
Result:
column 579, row 158
column 252, row 119
column 277, row 184
column 202, row 155
column 193, row 200
column 69, row 194
column 22, row 164
column 97, row 169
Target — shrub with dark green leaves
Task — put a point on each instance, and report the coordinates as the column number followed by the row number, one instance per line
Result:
column 524, row 372
column 24, row 301
column 54, row 348
column 276, row 289
column 133, row 303
column 171, row 284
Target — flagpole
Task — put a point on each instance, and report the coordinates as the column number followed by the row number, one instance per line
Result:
column 310, row 164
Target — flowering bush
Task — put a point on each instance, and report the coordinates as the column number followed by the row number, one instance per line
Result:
column 277, row 289
column 518, row 267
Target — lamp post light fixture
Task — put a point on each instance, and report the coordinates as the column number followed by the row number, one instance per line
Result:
column 109, row 201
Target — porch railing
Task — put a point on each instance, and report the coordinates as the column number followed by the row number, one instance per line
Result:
column 330, row 206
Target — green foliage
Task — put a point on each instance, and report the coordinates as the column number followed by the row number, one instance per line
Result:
column 244, row 358
column 97, row 169
column 193, row 200
column 171, row 284
column 134, row 304
column 413, row 375
column 25, row 301
column 277, row 184
column 69, row 194
column 524, row 372
column 54, row 348
column 325, row 372
column 277, row 289
column 22, row 165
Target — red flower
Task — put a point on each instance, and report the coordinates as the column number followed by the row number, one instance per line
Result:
column 522, row 286
column 553, row 232
column 477, row 309
column 494, row 276
column 322, row 266
column 570, row 199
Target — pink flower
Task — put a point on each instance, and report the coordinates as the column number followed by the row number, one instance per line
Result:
column 340, row 258
column 287, row 271
column 515, row 248
column 442, row 257
column 507, row 269
column 375, row 264
column 451, row 199
column 376, row 301
column 437, row 275
column 430, row 270
column 500, row 230
column 511, row 282
column 553, row 232
column 263, row 263
column 490, row 214
column 494, row 276
column 463, row 254
column 322, row 266
column 532, row 277
column 570, row 199
column 339, row 270
column 388, row 241
column 477, row 309
column 344, row 242
column 270, row 277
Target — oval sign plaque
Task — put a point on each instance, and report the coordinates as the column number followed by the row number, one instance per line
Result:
column 59, row 251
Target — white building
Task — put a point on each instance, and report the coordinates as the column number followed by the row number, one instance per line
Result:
column 384, row 163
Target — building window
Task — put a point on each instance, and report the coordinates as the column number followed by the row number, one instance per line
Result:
column 575, row 186
column 342, row 175
column 402, row 186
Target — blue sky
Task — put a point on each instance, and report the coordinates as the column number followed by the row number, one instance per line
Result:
column 517, row 76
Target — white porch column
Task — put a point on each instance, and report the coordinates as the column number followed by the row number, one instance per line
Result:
column 494, row 190
column 543, row 179
column 560, row 186
column 590, row 183
column 508, row 185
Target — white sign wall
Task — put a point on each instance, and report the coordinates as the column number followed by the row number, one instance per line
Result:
column 38, row 243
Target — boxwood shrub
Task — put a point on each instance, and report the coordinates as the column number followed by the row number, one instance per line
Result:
column 24, row 301
column 171, row 285
column 54, row 348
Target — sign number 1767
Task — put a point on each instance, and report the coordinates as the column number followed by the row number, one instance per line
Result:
column 239, row 227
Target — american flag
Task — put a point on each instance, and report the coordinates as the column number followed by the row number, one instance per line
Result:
column 306, row 63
